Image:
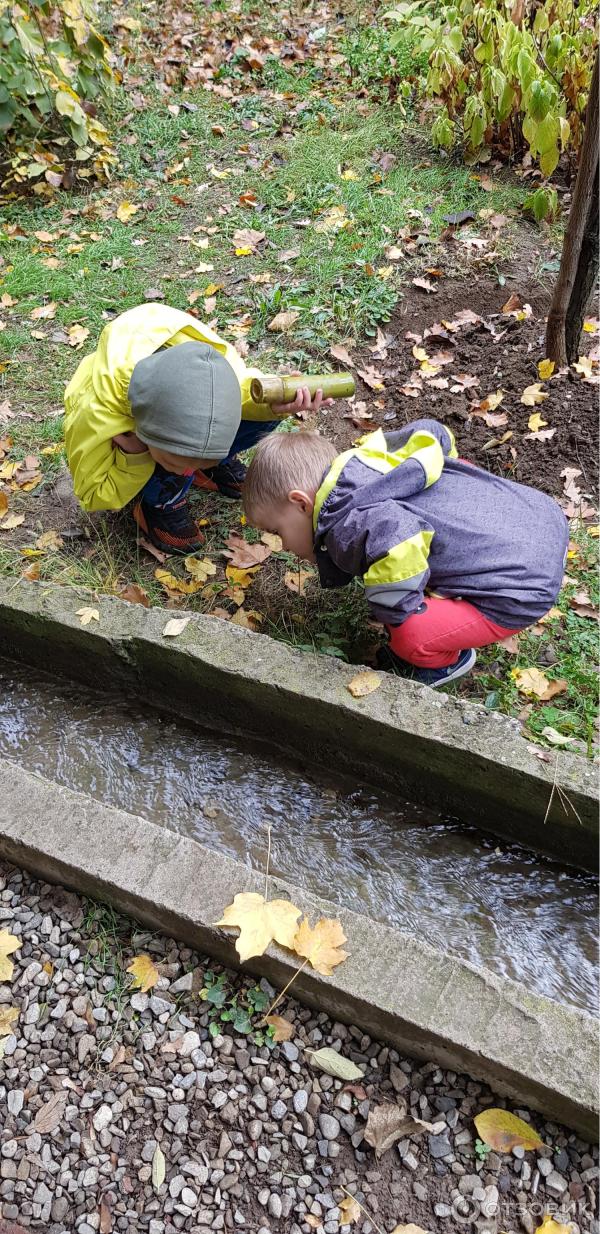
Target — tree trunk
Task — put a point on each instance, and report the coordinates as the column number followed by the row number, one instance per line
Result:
column 579, row 263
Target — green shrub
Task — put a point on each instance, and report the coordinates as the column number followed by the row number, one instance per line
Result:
column 53, row 65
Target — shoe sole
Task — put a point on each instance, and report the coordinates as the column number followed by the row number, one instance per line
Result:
column 460, row 671
column 183, row 550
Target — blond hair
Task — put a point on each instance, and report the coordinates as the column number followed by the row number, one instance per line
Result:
column 283, row 462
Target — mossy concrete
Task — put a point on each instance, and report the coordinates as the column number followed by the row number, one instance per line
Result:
column 424, row 743
column 399, row 990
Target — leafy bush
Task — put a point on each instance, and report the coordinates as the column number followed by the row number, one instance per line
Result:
column 53, row 65
column 506, row 73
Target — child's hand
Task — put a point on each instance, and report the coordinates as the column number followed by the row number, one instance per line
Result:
column 302, row 402
column 130, row 443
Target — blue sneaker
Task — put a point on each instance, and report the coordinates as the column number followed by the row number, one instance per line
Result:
column 433, row 677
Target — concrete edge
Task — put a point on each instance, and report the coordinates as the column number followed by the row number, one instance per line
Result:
column 409, row 738
column 399, row 990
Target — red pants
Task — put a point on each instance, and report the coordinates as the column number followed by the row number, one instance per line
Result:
column 434, row 637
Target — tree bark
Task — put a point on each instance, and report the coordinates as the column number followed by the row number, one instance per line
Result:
column 579, row 262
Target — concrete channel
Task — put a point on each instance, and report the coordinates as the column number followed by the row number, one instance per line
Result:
column 401, row 990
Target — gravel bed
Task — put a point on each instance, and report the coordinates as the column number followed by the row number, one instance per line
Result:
column 253, row 1137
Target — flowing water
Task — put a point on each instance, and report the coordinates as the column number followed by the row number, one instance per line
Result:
column 379, row 854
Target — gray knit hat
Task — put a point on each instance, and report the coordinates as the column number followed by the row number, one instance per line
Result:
column 186, row 399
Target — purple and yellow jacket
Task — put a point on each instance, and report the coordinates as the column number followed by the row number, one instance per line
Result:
column 402, row 511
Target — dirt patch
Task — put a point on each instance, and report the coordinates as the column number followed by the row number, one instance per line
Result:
column 502, row 353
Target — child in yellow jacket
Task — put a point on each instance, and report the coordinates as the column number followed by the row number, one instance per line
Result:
column 163, row 403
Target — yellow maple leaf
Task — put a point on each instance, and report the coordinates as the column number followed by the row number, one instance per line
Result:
column 250, row 620
column 241, row 578
column 546, row 369
column 535, row 684
column 533, row 394
column 535, row 422
column 200, row 570
column 350, row 174
column 8, row 1015
column 584, row 366
column 126, row 211
column 349, row 1210
column 321, row 945
column 364, row 683
column 49, row 540
column 87, row 614
column 8, row 944
column 551, row 1226
column 260, row 923
column 243, row 251
column 503, row 1131
column 180, row 585
column 144, row 973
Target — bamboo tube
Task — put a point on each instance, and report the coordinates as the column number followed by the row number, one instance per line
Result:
column 272, row 389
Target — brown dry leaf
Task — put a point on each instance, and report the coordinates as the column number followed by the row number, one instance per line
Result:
column 45, row 312
column 544, row 434
column 283, row 321
column 394, row 253
column 49, row 540
column 570, row 489
column 490, row 402
column 463, row 381
column 321, row 945
column 32, row 572
column 340, row 353
column 283, row 1030
column 3, row 504
column 492, row 419
column 513, row 303
column 244, row 555
column 246, row 237
column 424, row 284
column 175, row 626
column 144, row 972
column 134, row 594
column 372, row 377
column 249, row 619
column 388, row 1123
column 503, row 1131
column 8, row 1017
column 535, row 684
column 364, row 683
column 12, row 521
column 260, row 923
column 296, row 580
column 105, row 1218
column 151, row 548
column 50, row 1115
column 411, row 1228
column 288, row 255
column 350, row 1210
column 87, row 614
column 272, row 541
column 533, row 394
column 309, row 1219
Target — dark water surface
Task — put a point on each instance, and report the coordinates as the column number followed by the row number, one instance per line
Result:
column 395, row 860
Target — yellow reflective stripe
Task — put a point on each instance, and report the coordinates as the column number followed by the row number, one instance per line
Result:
column 372, row 450
column 453, row 452
column 405, row 560
column 330, row 482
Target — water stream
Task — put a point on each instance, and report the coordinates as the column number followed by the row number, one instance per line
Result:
column 379, row 854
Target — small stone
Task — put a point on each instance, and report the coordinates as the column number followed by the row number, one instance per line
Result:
column 439, row 1146
column 290, row 1051
column 60, row 1208
column 278, row 1110
column 15, row 1101
column 329, row 1126
column 274, row 1206
column 102, row 1118
column 442, row 1210
column 300, row 1100
column 189, row 1197
column 556, row 1183
column 421, row 1192
column 544, row 1166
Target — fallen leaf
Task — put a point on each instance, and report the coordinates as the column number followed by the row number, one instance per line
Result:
column 503, row 1131
column 388, row 1123
column 584, row 366
column 144, row 972
column 8, row 1016
column 87, row 614
column 546, row 369
column 513, row 303
column 364, row 683
column 535, row 422
column 45, row 312
column 349, row 1209
column 105, row 1218
column 248, row 238
column 332, row 220
column 288, row 255
column 260, row 923
column 178, row 586
column 175, row 626
column 490, row 402
column 334, row 1064
column 394, row 253
column 49, row 540
column 3, row 504
column 241, row 578
column 272, row 541
column 411, row 1228
column 551, row 1226
column 50, row 1115
column 555, row 738
column 296, row 580
column 249, row 619
column 321, row 944
column 284, row 1031
column 424, row 284
column 535, row 684
column 199, row 570
column 510, row 644
column 78, row 335
column 134, row 594
column 533, row 394
column 126, row 211
column 463, row 381
column 544, row 434
column 245, row 555
column 371, row 377
column 340, row 353
column 32, row 573
column 159, row 1168
column 283, row 321
column 151, row 548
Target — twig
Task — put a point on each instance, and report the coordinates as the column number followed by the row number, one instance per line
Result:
column 547, row 68
column 363, row 1210
column 552, row 793
column 564, row 797
column 268, row 860
column 277, row 1001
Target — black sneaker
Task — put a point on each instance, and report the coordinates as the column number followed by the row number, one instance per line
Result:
column 226, row 479
column 170, row 528
column 433, row 677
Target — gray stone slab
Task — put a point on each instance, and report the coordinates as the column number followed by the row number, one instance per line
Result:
column 422, row 742
column 398, row 989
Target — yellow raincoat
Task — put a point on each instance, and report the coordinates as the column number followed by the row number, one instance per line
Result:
column 97, row 407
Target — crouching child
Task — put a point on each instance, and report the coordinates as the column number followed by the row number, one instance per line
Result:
column 452, row 557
